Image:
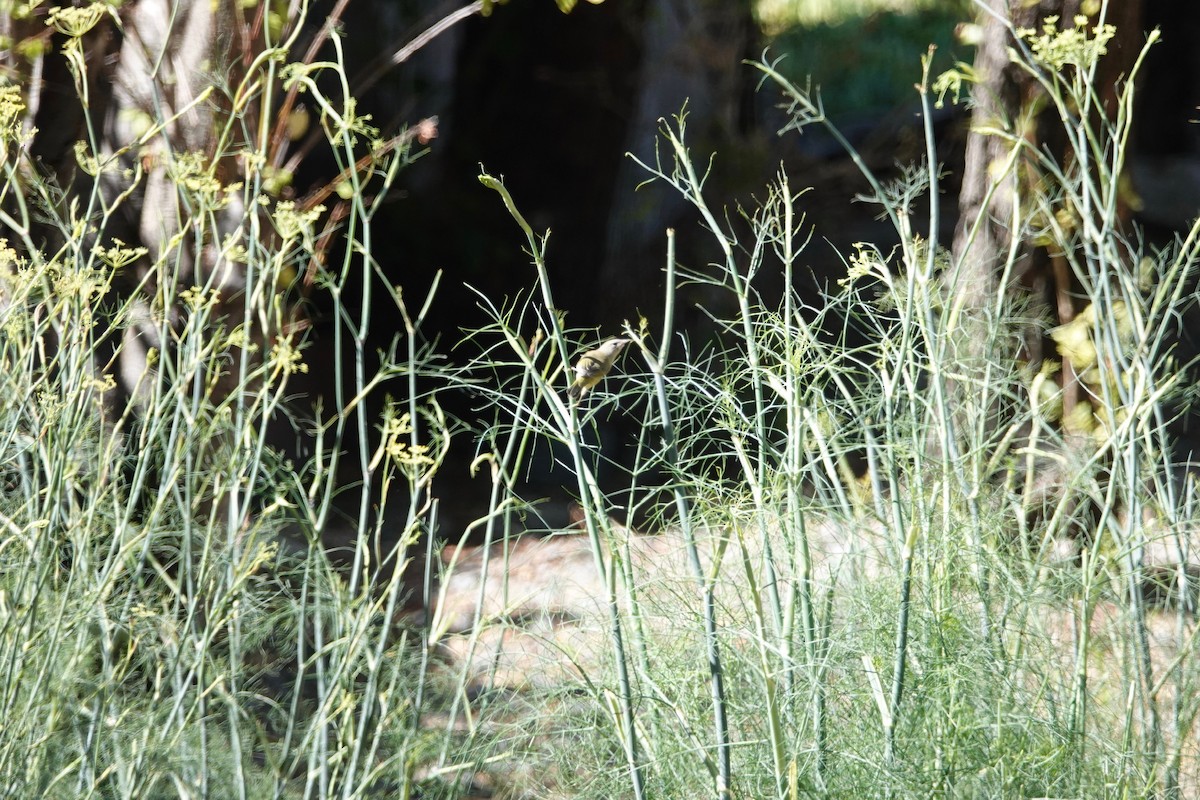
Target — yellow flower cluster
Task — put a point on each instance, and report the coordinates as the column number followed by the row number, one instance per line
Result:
column 1058, row 48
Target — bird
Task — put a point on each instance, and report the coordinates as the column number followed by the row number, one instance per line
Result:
column 593, row 366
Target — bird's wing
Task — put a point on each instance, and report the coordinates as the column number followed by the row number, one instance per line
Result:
column 588, row 366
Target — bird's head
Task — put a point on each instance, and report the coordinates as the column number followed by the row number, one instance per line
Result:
column 614, row 346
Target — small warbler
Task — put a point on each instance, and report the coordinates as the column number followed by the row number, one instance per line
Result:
column 594, row 365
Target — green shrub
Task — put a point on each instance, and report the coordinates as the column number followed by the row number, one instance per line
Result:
column 170, row 624
column 910, row 626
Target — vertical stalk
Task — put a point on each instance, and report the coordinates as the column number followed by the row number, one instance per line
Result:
column 567, row 423
column 793, row 460
column 706, row 584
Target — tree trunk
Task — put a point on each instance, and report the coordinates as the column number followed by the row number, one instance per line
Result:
column 988, row 203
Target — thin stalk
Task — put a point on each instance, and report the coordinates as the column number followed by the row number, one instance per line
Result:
column 502, row 472
column 793, row 461
column 706, row 584
column 567, row 424
column 900, row 656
